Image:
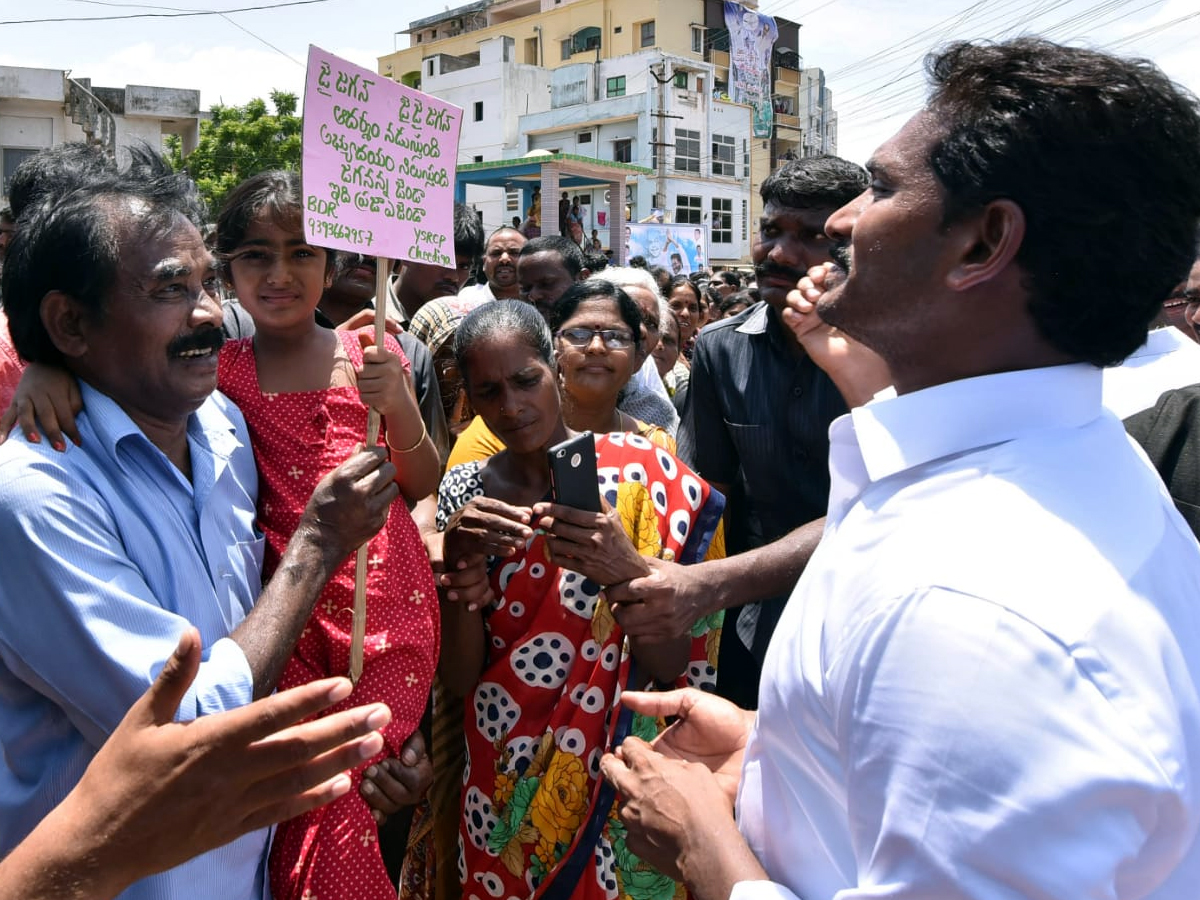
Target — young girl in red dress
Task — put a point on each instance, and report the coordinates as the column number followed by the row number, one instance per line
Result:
column 304, row 391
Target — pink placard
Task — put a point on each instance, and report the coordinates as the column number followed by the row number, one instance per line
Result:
column 379, row 161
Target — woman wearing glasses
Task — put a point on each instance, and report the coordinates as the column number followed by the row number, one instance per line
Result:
column 590, row 393
column 541, row 669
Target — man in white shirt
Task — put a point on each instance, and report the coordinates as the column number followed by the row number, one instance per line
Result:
column 987, row 683
column 499, row 267
column 1169, row 360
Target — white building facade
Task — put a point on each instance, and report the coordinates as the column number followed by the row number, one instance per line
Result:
column 42, row 108
column 649, row 108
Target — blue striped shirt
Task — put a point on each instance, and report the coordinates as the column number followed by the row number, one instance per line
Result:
column 110, row 552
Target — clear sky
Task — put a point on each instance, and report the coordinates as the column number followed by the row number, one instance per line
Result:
column 870, row 50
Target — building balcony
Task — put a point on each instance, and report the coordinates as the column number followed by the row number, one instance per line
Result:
column 509, row 10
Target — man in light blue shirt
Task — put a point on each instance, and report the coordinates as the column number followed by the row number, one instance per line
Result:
column 116, row 546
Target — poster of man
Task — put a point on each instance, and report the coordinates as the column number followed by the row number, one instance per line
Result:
column 680, row 249
column 751, row 38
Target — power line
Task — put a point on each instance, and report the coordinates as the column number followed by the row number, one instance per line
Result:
column 163, row 15
column 262, row 40
column 1155, row 29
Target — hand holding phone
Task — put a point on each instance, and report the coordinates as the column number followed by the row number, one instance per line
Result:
column 573, row 478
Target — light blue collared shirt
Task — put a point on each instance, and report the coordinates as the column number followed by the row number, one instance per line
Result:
column 110, row 553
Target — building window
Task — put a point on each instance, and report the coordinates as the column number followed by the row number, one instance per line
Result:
column 512, row 201
column 477, row 159
column 431, row 68
column 688, row 210
column 566, row 49
column 647, row 31
column 687, row 151
column 585, row 39
column 654, row 148
column 418, row 37
column 584, row 137
column 745, row 158
column 615, row 87
column 478, row 110
column 722, row 220
column 623, row 150
column 745, row 221
column 722, row 155
column 681, row 80
column 697, row 39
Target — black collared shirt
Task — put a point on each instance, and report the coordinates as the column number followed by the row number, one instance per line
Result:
column 757, row 415
column 756, row 418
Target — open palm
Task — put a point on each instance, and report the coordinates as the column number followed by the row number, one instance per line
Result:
column 709, row 730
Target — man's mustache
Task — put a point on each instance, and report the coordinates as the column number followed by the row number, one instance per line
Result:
column 204, row 339
column 772, row 270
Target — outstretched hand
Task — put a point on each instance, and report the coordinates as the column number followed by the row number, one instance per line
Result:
column 159, row 792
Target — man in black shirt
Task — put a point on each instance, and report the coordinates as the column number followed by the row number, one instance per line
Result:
column 755, row 424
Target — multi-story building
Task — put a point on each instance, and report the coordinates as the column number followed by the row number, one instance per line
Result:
column 42, row 108
column 636, row 81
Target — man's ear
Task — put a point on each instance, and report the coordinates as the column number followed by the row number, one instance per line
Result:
column 66, row 323
column 988, row 244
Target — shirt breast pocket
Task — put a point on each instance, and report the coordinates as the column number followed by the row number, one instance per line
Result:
column 246, row 562
column 756, row 452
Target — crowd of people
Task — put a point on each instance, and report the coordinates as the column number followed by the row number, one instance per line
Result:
column 892, row 591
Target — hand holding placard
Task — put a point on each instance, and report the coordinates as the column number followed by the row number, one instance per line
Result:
column 378, row 178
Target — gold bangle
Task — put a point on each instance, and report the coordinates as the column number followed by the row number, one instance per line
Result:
column 420, row 441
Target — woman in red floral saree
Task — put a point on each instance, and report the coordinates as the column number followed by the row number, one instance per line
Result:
column 543, row 668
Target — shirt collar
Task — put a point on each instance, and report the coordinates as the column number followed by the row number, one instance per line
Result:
column 757, row 319
column 762, row 318
column 209, row 426
column 895, row 433
column 1160, row 342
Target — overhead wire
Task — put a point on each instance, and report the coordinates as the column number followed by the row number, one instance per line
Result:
column 235, row 24
column 179, row 14
column 874, row 100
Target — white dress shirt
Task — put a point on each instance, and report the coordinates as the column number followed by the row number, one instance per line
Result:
column 481, row 292
column 1169, row 359
column 986, row 682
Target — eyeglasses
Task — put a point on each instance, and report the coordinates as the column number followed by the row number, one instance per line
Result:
column 581, row 338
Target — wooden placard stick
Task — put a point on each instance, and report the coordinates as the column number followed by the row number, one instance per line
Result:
column 383, row 270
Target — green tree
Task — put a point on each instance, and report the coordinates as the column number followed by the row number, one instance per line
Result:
column 240, row 141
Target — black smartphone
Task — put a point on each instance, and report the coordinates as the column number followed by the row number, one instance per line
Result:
column 573, row 480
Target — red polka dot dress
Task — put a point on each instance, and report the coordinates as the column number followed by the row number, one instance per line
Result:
column 333, row 852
